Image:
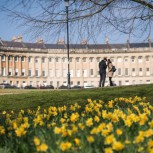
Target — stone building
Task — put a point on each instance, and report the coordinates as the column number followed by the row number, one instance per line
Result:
column 40, row 64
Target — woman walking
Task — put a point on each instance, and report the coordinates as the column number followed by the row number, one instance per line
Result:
column 110, row 72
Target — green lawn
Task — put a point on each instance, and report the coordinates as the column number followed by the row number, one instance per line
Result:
column 17, row 99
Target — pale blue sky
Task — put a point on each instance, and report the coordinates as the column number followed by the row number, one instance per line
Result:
column 8, row 29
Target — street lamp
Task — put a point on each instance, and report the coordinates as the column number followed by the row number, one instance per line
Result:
column 67, row 23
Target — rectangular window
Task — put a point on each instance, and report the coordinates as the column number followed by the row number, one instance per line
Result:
column 9, row 58
column 23, row 72
column 91, row 72
column 3, row 57
column 126, row 59
column 29, row 59
column 84, row 59
column 36, row 60
column 147, row 71
column 51, row 82
column 36, row 72
column 91, row 59
column 50, row 59
column 78, row 83
column 57, row 59
column 43, row 59
column 140, row 59
column 22, row 59
column 126, row 82
column 140, row 72
column 98, row 59
column 148, row 81
column 16, row 58
column 133, row 72
column 3, row 71
column 16, row 72
column 10, row 72
column 84, row 73
column 43, row 73
column 126, row 71
column 29, row 72
column 119, row 72
column 132, row 59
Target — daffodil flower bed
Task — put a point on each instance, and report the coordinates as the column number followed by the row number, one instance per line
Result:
column 122, row 125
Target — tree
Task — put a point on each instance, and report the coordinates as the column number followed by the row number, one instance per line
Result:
column 87, row 18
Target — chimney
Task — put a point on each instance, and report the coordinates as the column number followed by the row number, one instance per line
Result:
column 107, row 40
column 19, row 39
column 149, row 41
column 84, row 42
column 14, row 38
column 40, row 41
column 62, row 41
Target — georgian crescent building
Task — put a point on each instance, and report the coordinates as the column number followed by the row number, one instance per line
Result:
column 40, row 64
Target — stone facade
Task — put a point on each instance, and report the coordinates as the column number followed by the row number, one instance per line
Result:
column 39, row 64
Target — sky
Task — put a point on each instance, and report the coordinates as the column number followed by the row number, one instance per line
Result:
column 9, row 29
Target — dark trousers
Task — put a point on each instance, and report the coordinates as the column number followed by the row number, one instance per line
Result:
column 110, row 81
column 102, row 79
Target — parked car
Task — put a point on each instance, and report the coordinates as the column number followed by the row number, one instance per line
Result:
column 63, row 87
column 77, row 87
column 90, row 86
column 29, row 87
column 47, row 87
column 8, row 86
column 50, row 87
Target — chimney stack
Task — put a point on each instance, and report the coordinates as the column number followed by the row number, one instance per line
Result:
column 40, row 41
column 149, row 41
column 17, row 39
column 107, row 40
column 84, row 42
column 62, row 41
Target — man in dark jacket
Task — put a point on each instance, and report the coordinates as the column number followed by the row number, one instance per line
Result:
column 102, row 72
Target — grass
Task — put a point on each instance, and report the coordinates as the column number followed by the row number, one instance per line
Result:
column 99, row 124
column 24, row 99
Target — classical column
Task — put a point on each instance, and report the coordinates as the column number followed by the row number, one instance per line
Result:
column 0, row 65
column 6, row 65
column 33, row 68
column 136, row 66
column 74, row 73
column 88, row 67
column 61, row 68
column 96, row 67
column 19, row 65
column 26, row 65
column 81, row 70
column 47, row 69
column 13, row 68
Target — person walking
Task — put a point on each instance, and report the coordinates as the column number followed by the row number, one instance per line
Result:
column 110, row 72
column 102, row 72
